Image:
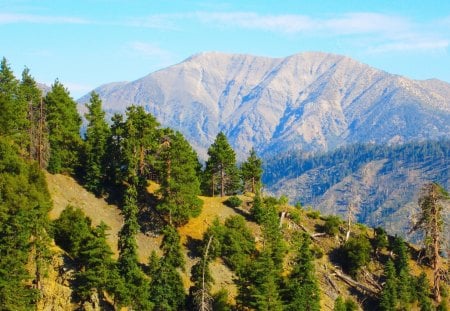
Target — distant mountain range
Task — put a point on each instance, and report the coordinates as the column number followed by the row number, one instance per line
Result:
column 299, row 106
column 382, row 182
column 310, row 102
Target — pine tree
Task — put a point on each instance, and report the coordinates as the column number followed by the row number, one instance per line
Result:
column 423, row 293
column 431, row 223
column 389, row 294
column 13, row 107
column 251, row 172
column 179, row 182
column 264, row 284
column 221, row 167
column 32, row 96
column 139, row 145
column 64, row 130
column 128, row 261
column 302, row 291
column 166, row 286
column 98, row 268
column 24, row 207
column 97, row 133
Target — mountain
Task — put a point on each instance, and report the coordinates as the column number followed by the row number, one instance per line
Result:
column 382, row 182
column 308, row 102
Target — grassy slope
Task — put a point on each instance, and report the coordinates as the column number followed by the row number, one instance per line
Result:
column 64, row 190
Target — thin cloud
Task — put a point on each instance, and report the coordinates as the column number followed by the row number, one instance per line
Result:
column 417, row 45
column 12, row 18
column 346, row 24
column 250, row 20
column 149, row 49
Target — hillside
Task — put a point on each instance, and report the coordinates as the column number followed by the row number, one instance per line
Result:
column 383, row 181
column 332, row 281
column 309, row 102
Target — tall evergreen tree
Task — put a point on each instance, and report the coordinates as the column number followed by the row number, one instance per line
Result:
column 264, row 285
column 179, row 182
column 38, row 147
column 389, row 294
column 97, row 133
column 139, row 145
column 252, row 171
column 221, row 171
column 64, row 130
column 24, row 207
column 128, row 261
column 302, row 290
column 166, row 287
column 13, row 117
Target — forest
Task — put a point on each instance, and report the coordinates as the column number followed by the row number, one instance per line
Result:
column 117, row 159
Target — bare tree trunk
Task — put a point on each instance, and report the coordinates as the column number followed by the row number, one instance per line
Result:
column 350, row 217
column 222, row 181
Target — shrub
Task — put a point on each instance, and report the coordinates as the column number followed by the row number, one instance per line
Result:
column 233, row 202
column 331, row 225
column 356, row 254
column 313, row 214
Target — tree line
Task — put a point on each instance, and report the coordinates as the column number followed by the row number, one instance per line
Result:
column 116, row 160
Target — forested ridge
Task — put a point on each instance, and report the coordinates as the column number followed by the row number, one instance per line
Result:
column 272, row 249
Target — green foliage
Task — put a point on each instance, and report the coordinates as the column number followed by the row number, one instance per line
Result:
column 221, row 173
column 302, row 290
column 261, row 280
column 72, row 230
column 272, row 235
column 344, row 305
column 331, row 225
column 128, row 265
column 64, row 130
column 423, row 293
column 313, row 214
column 220, row 301
column 380, row 240
column 13, row 117
column 295, row 216
column 24, row 207
column 179, row 182
column 389, row 294
column 257, row 210
column 166, row 286
column 356, row 254
column 171, row 247
column 37, row 141
column 251, row 171
column 95, row 157
column 233, row 202
column 232, row 241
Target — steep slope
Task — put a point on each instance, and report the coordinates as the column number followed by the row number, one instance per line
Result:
column 384, row 182
column 310, row 102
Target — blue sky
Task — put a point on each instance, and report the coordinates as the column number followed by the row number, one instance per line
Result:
column 86, row 43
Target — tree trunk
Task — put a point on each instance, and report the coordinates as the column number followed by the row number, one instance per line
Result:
column 222, row 181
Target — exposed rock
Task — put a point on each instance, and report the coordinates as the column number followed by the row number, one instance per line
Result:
column 310, row 102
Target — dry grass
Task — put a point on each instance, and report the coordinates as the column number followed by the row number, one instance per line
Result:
column 64, row 191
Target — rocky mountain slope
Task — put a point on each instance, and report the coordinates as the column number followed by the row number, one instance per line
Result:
column 382, row 182
column 310, row 102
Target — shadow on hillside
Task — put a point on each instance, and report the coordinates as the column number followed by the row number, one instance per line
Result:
column 194, row 247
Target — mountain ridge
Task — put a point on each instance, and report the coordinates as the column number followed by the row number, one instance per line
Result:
column 311, row 101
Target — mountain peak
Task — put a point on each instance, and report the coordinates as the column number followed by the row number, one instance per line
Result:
column 309, row 101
